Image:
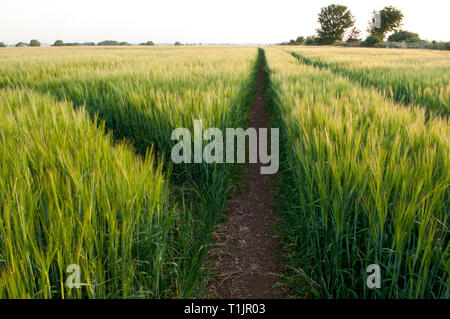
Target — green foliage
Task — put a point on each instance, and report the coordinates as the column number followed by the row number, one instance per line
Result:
column 109, row 42
column 147, row 43
column 300, row 40
column 372, row 40
column 21, row 44
column 403, row 35
column 2, row 45
column 310, row 40
column 58, row 43
column 334, row 20
column 177, row 43
column 34, row 43
column 391, row 19
column 435, row 45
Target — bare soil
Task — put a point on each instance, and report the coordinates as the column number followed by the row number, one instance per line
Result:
column 244, row 260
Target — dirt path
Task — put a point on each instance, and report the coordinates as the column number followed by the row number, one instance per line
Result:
column 246, row 264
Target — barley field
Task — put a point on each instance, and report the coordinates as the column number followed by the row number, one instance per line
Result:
column 413, row 77
column 365, row 181
column 86, row 175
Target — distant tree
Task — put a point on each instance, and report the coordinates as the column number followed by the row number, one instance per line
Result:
column 35, row 43
column 2, row 45
column 292, row 42
column 177, row 43
column 108, row 42
column 147, row 43
column 403, row 35
column 124, row 43
column 73, row 44
column 88, row 43
column 21, row 44
column 58, row 43
column 390, row 19
column 353, row 36
column 334, row 20
column 300, row 40
column 372, row 40
column 310, row 40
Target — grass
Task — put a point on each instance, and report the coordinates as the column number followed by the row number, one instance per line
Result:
column 69, row 196
column 412, row 77
column 136, row 96
column 363, row 181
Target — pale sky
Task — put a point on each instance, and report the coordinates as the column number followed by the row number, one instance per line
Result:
column 206, row 21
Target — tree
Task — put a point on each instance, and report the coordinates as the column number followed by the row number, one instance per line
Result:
column 310, row 40
column 403, row 35
column 58, row 43
column 390, row 19
column 177, row 43
column 147, row 43
column 21, row 44
column 334, row 20
column 353, row 36
column 300, row 40
column 35, row 43
column 108, row 42
column 372, row 40
column 2, row 45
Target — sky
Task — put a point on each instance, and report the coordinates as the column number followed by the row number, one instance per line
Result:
column 198, row 21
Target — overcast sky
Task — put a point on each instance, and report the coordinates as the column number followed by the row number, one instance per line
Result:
column 206, row 21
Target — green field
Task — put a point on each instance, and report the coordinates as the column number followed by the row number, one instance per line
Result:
column 365, row 181
column 86, row 176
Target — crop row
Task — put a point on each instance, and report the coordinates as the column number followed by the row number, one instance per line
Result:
column 363, row 181
column 414, row 77
column 135, row 224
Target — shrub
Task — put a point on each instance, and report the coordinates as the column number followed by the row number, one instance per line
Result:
column 403, row 35
column 147, row 43
column 35, row 43
column 108, row 42
column 372, row 40
column 310, row 40
column 300, row 40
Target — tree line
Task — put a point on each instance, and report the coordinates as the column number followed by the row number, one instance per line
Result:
column 336, row 21
column 61, row 43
